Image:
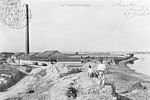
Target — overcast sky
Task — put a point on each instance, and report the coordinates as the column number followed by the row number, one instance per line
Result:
column 79, row 25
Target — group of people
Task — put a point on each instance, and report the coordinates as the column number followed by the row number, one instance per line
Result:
column 98, row 72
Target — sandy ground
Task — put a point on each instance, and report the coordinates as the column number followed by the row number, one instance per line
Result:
column 53, row 83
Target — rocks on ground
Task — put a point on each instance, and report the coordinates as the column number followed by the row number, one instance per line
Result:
column 57, row 82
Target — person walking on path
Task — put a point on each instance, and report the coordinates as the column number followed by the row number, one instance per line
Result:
column 101, row 68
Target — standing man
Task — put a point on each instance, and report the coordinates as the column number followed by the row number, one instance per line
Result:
column 101, row 68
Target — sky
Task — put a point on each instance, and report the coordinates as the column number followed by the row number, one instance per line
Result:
column 82, row 25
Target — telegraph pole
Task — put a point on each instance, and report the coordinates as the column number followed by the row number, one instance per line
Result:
column 27, row 46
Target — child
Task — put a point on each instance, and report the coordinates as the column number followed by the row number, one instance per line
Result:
column 90, row 71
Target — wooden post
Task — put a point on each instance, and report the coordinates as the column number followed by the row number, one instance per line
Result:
column 27, row 30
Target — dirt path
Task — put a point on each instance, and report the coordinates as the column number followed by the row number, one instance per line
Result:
column 56, row 83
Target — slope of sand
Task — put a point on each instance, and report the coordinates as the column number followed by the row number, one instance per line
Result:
column 53, row 83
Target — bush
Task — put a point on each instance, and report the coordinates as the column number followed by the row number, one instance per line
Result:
column 43, row 64
column 35, row 63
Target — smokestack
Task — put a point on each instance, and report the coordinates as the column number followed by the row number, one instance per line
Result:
column 27, row 30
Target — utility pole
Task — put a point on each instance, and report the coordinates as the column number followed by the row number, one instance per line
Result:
column 27, row 46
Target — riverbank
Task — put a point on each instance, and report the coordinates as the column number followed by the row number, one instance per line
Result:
column 57, row 82
column 141, row 65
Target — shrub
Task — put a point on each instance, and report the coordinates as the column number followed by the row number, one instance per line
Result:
column 43, row 64
column 35, row 63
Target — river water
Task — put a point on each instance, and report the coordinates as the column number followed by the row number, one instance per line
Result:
column 142, row 65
